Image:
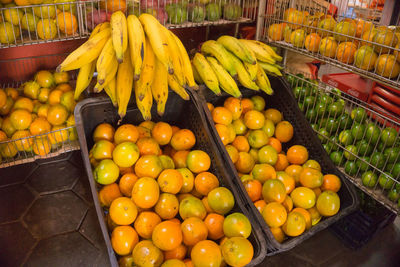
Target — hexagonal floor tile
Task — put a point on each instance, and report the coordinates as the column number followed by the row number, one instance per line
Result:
column 90, row 228
column 55, row 213
column 82, row 188
column 15, row 244
column 16, row 174
column 15, row 200
column 54, row 177
column 70, row 249
column 76, row 159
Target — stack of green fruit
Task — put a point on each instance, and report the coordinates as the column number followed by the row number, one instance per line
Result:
column 353, row 141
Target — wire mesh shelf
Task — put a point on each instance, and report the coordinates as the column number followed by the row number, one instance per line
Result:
column 347, row 39
column 362, row 141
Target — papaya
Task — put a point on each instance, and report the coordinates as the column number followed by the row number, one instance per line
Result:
column 384, row 37
column 387, row 66
column 213, row 12
column 232, row 11
column 176, row 13
column 365, row 58
column 196, row 12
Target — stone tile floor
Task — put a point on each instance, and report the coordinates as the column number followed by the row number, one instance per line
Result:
column 48, row 219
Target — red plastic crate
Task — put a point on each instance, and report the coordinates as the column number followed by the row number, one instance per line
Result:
column 350, row 83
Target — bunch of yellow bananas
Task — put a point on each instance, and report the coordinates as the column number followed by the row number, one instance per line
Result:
column 132, row 54
column 229, row 59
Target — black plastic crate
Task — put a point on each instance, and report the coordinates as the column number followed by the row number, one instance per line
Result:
column 185, row 114
column 284, row 101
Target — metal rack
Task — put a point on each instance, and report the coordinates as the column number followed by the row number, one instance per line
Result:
column 310, row 95
column 54, row 22
column 312, row 29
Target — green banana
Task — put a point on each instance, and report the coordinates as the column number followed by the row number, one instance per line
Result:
column 218, row 51
column 226, row 82
column 243, row 75
column 237, row 48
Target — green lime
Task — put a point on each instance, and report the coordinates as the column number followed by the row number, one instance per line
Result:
column 305, row 91
column 325, row 99
column 327, row 147
column 385, row 181
column 331, row 125
column 259, row 102
column 377, row 160
column 322, row 122
column 334, row 140
column 388, row 136
column 297, row 91
column 314, row 127
column 350, row 168
column 394, row 194
column 311, row 115
column 363, row 166
column 345, row 137
column 350, row 150
column 394, row 169
column 331, row 144
column 372, row 133
column 335, row 109
column 369, row 179
column 392, row 154
column 358, row 114
column 363, row 148
column 336, row 93
column 301, row 106
column 309, row 101
column 381, row 147
column 337, row 158
column 321, row 109
column 323, row 135
column 345, row 121
column 357, row 131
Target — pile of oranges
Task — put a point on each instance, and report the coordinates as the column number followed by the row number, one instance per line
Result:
column 163, row 205
column 46, row 105
column 288, row 189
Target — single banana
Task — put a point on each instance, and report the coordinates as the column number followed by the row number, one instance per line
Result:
column 145, row 104
column 86, row 53
column 251, row 69
column 263, row 81
column 279, row 67
column 106, row 58
column 243, row 75
column 177, row 88
column 159, row 87
column 270, row 68
column 84, row 78
column 124, row 83
column 196, row 75
column 111, row 73
column 260, row 53
column 237, row 48
column 111, row 91
column 119, row 34
column 157, row 39
column 226, row 82
column 136, row 44
column 146, row 77
column 187, row 66
column 269, row 49
column 206, row 73
column 175, row 56
column 218, row 51
column 99, row 27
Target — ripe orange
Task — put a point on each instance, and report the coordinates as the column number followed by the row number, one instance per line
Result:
column 311, row 178
column 282, row 163
column 146, row 253
column 64, row 87
column 206, row 253
column 234, row 105
column 104, row 131
column 61, row 77
column 221, row 200
column 3, row 98
column 124, row 239
column 191, row 206
column 306, row 215
column 23, row 103
column 145, row 223
column 278, row 234
column 55, row 96
column 123, row 211
column 11, row 92
column 232, row 133
column 179, row 158
column 245, row 163
column 294, row 171
column 145, row 192
column 288, row 203
column 167, row 162
column 124, row 171
column 237, row 251
column 233, row 153
column 295, row 224
column 143, row 132
column 41, row 146
column 57, row 114
column 274, row 191
column 214, row 223
column 8, row 150
column 148, row 166
column 312, row 164
column 253, row 189
column 162, row 133
column 183, row 139
column 126, row 183
column 247, row 105
column 284, row 131
column 210, row 106
column 147, row 124
column 237, row 224
column 170, row 181
column 241, row 144
column 148, row 146
column 328, row 203
column 125, row 154
column 273, row 115
column 205, row 182
column 167, row 235
column 315, row 216
column 167, row 206
column 6, row 108
column 297, row 154
column 223, row 132
column 257, row 138
column 174, row 263
column 303, row 197
column 198, row 161
column 67, row 23
column 108, row 194
column 274, row 214
column 126, row 132
column 331, row 182
column 263, row 172
column 39, row 126
column 188, row 180
column 204, row 200
column 102, row 149
column 267, row 154
column 177, row 253
column 20, row 119
column 317, row 191
column 254, row 119
column 194, row 230
column 260, row 205
column 287, row 180
column 25, row 142
column 222, row 115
